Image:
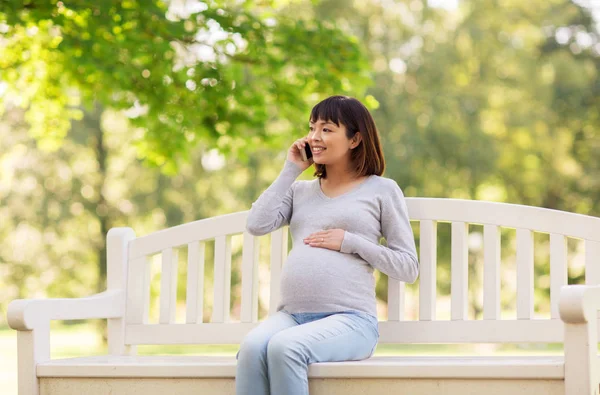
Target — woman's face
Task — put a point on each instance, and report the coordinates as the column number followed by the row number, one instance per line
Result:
column 333, row 138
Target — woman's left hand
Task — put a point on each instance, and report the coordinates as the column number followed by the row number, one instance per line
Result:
column 330, row 238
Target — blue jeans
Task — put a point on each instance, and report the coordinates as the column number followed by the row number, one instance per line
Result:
column 274, row 356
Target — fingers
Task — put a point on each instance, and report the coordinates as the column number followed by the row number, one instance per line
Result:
column 300, row 143
column 318, row 242
column 320, row 233
column 317, row 237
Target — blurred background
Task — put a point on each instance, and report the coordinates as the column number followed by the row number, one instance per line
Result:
column 153, row 114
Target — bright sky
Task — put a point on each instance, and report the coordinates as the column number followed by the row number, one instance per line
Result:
column 447, row 4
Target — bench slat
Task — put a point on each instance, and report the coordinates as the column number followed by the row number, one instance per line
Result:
column 194, row 300
column 491, row 272
column 396, row 299
column 460, row 270
column 427, row 272
column 138, row 290
column 117, row 241
column 558, row 269
column 222, row 279
column 592, row 262
column 168, row 286
column 250, row 254
column 524, row 274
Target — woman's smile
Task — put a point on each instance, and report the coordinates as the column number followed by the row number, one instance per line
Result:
column 318, row 151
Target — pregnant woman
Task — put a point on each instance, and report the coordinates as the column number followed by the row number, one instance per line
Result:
column 327, row 310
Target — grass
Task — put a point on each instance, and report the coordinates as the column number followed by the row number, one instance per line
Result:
column 81, row 340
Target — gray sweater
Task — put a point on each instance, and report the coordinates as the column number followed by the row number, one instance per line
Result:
column 316, row 279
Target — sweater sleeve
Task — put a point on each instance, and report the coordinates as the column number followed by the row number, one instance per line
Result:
column 273, row 208
column 399, row 259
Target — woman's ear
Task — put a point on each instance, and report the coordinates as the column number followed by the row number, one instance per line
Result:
column 356, row 140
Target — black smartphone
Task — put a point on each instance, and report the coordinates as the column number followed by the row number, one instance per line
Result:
column 307, row 154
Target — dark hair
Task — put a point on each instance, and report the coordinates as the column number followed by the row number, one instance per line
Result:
column 367, row 158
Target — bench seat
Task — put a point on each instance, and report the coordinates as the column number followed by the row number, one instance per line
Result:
column 472, row 367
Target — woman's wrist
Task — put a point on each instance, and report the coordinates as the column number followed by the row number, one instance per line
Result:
column 292, row 167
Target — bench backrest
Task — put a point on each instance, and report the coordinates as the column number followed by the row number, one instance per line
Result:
column 428, row 212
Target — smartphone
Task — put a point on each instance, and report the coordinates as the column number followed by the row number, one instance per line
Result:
column 306, row 153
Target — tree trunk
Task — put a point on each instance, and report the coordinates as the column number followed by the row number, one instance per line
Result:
column 99, row 208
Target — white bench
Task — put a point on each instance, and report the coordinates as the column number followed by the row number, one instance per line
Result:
column 126, row 304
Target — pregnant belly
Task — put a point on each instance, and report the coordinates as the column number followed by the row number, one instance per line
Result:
column 313, row 273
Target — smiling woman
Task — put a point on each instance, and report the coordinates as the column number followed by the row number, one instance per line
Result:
column 327, row 299
column 344, row 128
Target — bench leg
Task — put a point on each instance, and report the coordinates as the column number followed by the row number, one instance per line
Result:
column 33, row 347
column 578, row 307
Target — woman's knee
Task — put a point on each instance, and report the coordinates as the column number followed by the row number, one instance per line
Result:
column 253, row 346
column 282, row 347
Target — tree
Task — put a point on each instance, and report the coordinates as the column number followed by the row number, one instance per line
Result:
column 220, row 72
column 228, row 75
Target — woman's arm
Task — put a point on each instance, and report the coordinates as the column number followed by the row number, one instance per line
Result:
column 399, row 259
column 273, row 208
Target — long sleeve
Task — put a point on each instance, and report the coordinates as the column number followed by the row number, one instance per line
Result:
column 399, row 259
column 273, row 208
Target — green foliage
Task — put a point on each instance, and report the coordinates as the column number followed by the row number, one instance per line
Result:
column 496, row 100
column 216, row 74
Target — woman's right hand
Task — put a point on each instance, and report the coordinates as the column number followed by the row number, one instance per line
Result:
column 295, row 156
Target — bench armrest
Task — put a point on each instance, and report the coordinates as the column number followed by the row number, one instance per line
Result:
column 578, row 308
column 579, row 304
column 26, row 314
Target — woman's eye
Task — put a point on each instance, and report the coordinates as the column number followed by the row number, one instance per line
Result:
column 325, row 129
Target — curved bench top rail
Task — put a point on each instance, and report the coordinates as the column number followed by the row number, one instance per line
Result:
column 202, row 229
column 508, row 215
column 437, row 209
